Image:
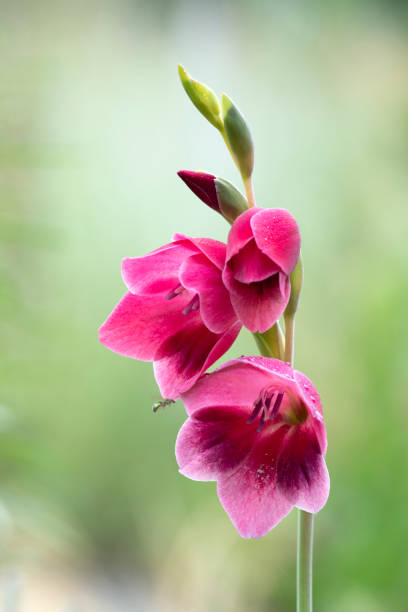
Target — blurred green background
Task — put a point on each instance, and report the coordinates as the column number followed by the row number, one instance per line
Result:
column 94, row 125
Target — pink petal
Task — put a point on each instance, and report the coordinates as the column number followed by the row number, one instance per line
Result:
column 301, row 472
column 138, row 324
column 241, row 232
column 258, row 305
column 214, row 441
column 200, row 276
column 213, row 249
column 250, row 264
column 156, row 272
column 183, row 357
column 311, row 398
column 277, row 235
column 250, row 496
column 233, row 384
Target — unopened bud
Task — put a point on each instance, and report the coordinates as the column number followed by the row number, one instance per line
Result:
column 202, row 97
column 203, row 185
column 217, row 193
column 239, row 137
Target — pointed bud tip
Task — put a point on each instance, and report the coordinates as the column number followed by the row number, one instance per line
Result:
column 202, row 185
column 202, row 97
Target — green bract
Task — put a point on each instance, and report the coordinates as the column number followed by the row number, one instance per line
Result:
column 231, row 201
column 239, row 136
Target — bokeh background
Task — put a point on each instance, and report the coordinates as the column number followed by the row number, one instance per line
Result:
column 94, row 125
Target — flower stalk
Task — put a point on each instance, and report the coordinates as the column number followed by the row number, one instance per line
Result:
column 304, row 562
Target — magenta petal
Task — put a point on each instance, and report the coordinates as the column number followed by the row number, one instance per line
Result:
column 233, row 384
column 258, row 305
column 250, row 496
column 251, row 265
column 200, row 276
column 214, row 250
column 138, row 325
column 277, row 235
column 311, row 398
column 157, row 271
column 241, row 232
column 214, row 441
column 302, row 475
column 183, row 357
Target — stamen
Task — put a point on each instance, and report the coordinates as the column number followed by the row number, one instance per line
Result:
column 193, row 304
column 261, row 422
column 276, row 406
column 257, row 409
column 268, row 401
column 177, row 290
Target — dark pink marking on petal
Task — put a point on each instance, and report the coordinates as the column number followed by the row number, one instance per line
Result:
column 302, row 476
column 213, row 442
column 183, row 357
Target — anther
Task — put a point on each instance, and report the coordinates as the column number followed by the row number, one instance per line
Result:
column 257, row 409
column 177, row 290
column 193, row 304
column 261, row 422
column 276, row 406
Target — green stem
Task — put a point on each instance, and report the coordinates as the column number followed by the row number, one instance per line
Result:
column 289, row 338
column 304, row 562
column 249, row 189
column 305, row 519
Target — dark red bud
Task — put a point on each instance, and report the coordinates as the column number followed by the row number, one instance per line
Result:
column 202, row 184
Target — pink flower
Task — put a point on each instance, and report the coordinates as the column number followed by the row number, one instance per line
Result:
column 177, row 312
column 256, row 427
column 263, row 248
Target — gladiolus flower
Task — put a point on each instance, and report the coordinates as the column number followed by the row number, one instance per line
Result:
column 177, row 312
column 256, row 427
column 263, row 249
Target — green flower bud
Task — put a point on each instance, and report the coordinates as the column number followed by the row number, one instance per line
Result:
column 231, row 201
column 203, row 98
column 238, row 136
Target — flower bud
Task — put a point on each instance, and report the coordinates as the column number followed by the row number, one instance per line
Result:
column 217, row 193
column 239, row 137
column 203, row 98
column 202, row 184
